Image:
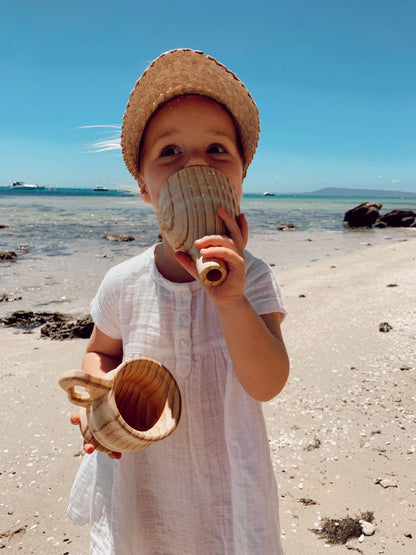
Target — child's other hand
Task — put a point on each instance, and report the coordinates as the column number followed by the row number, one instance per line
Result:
column 89, row 448
column 230, row 249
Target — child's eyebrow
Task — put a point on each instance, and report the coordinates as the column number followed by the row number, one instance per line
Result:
column 216, row 133
column 219, row 133
column 165, row 135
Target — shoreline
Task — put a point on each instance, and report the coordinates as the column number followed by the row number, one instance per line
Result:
column 344, row 420
column 68, row 283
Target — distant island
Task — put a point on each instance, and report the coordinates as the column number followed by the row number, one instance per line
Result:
column 364, row 193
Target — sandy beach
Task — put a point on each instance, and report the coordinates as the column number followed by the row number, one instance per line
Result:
column 342, row 432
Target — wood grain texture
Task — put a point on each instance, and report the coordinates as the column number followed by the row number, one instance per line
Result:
column 187, row 210
column 133, row 406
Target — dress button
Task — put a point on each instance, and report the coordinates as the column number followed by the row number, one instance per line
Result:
column 184, row 317
column 184, row 343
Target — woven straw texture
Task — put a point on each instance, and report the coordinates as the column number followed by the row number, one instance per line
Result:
column 180, row 72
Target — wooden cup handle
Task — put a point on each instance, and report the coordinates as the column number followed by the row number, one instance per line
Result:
column 211, row 271
column 96, row 387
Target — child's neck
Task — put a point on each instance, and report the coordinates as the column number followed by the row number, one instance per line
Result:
column 168, row 266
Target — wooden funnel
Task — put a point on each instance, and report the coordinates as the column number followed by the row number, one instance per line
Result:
column 187, row 210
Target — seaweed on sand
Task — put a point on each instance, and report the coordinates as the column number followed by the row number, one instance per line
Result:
column 340, row 530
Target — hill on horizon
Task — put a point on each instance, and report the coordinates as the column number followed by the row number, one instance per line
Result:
column 350, row 192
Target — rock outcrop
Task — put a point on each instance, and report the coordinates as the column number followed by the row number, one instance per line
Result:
column 8, row 256
column 286, row 226
column 119, row 238
column 81, row 329
column 55, row 325
column 363, row 215
column 397, row 218
column 28, row 320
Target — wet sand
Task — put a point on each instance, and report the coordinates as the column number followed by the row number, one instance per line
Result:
column 341, row 430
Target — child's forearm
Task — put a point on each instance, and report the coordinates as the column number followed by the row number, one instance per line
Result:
column 98, row 364
column 103, row 354
column 257, row 350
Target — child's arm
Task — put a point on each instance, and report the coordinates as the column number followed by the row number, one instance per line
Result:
column 254, row 342
column 103, row 354
column 256, row 347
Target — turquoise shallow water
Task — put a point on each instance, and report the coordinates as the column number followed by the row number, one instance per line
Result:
column 61, row 221
column 58, row 234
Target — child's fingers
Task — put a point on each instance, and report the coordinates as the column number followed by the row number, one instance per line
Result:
column 89, row 448
column 230, row 256
column 219, row 241
column 237, row 227
column 242, row 224
column 75, row 419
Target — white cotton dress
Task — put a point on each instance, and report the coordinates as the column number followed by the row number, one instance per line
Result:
column 209, row 488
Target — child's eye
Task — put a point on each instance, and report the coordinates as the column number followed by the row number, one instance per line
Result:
column 170, row 150
column 216, row 149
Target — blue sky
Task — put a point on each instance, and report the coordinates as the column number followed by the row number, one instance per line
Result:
column 334, row 81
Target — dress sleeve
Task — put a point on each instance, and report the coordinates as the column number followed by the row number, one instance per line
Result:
column 105, row 307
column 262, row 289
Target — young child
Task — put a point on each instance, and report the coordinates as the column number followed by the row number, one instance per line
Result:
column 209, row 488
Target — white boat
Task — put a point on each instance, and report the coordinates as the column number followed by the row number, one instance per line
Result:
column 23, row 185
column 100, row 188
column 267, row 194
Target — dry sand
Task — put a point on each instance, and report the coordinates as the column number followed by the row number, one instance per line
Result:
column 344, row 422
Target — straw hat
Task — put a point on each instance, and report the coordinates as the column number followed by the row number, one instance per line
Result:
column 186, row 71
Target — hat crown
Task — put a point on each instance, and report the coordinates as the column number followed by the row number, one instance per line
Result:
column 185, row 71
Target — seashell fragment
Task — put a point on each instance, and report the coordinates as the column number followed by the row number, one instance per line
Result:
column 133, row 406
column 367, row 528
column 187, row 210
column 387, row 483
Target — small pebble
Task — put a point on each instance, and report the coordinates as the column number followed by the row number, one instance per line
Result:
column 368, row 528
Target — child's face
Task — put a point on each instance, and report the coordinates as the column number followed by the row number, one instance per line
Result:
column 189, row 130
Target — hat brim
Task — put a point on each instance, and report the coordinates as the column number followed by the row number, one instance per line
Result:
column 180, row 72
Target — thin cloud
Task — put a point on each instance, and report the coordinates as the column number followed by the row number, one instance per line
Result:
column 103, row 145
column 93, row 126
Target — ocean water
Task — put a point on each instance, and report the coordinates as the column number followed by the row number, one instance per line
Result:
column 63, row 257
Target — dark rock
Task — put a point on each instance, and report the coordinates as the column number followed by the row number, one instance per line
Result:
column 385, row 327
column 8, row 255
column 119, row 238
column 3, row 226
column 363, row 215
column 8, row 298
column 286, row 226
column 396, row 218
column 28, row 320
column 81, row 329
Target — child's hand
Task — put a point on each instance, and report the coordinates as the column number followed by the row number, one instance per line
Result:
column 230, row 249
column 89, row 447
